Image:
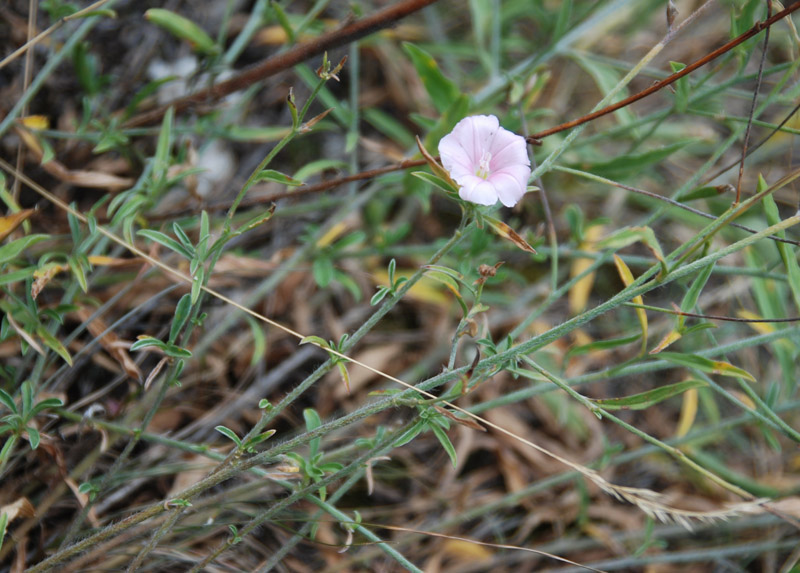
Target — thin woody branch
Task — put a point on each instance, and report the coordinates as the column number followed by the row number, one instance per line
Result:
column 281, row 62
column 756, row 29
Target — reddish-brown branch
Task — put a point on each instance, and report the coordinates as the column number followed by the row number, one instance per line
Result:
column 280, row 62
column 306, row 189
column 753, row 103
column 678, row 312
column 758, row 27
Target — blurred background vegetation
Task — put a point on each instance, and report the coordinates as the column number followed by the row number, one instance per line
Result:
column 148, row 423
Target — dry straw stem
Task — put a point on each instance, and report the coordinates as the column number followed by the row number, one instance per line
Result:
column 645, row 499
column 44, row 34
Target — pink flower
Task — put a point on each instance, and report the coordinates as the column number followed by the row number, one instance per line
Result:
column 487, row 161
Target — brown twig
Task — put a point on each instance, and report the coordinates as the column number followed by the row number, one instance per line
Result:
column 753, row 148
column 678, row 312
column 753, row 106
column 757, row 27
column 299, row 191
column 280, row 62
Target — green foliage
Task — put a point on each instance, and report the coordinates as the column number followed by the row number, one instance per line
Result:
column 312, row 466
column 18, row 422
column 650, row 398
column 183, row 29
column 78, row 308
column 430, row 419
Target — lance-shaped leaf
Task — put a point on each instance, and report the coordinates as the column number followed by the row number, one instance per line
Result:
column 706, row 365
column 509, row 234
column 11, row 222
column 183, row 29
column 649, row 398
column 630, row 235
column 437, row 169
column 442, row 91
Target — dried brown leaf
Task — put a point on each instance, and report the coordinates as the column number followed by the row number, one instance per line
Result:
column 111, row 343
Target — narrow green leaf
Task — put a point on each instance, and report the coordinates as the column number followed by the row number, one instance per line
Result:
column 681, row 88
column 441, row 435
column 441, row 90
column 33, row 437
column 631, row 164
column 320, row 165
column 260, row 438
column 54, row 344
column 147, row 342
column 649, row 398
column 409, row 434
column 389, row 126
column 78, row 272
column 629, row 235
column 787, row 254
column 174, row 351
column 607, row 78
column 183, row 237
column 229, row 433
column 183, row 29
column 435, row 181
column 703, row 193
column 45, row 404
column 600, row 345
column 345, row 375
column 706, row 365
column 322, row 270
column 452, row 115
column 165, row 240
column 27, row 398
column 690, row 298
column 182, row 312
column 259, row 340
column 163, row 146
column 3, row 527
column 16, row 276
column 197, row 285
column 313, row 421
column 8, row 401
column 14, row 248
column 316, row 340
column 277, row 177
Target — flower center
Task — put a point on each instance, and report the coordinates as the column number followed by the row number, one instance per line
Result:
column 483, row 166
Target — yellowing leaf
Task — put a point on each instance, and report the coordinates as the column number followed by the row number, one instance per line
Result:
column 44, row 275
column 707, row 365
column 30, row 140
column 744, row 399
column 760, row 327
column 671, row 337
column 104, row 261
column 332, row 234
column 509, row 234
column 465, row 551
column 35, row 122
column 579, row 293
column 422, row 291
column 627, row 278
column 11, row 222
column 688, row 413
column 437, row 169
